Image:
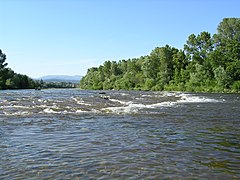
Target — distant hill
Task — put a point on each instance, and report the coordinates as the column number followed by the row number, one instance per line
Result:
column 60, row 78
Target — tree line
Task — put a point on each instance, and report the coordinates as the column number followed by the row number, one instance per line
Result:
column 11, row 80
column 59, row 84
column 205, row 64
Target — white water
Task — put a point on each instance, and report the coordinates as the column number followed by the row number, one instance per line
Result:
column 111, row 102
column 73, row 134
column 131, row 107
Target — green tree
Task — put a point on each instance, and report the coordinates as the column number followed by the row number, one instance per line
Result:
column 198, row 47
column 180, row 63
column 10, row 80
column 2, row 69
column 227, row 42
column 228, row 31
column 3, row 58
column 114, row 68
column 206, row 64
column 222, row 78
column 107, row 69
column 166, row 71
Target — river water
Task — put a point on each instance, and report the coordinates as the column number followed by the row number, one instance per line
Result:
column 76, row 134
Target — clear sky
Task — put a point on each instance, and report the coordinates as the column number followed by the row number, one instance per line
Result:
column 66, row 37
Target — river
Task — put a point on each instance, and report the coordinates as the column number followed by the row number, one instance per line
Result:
column 77, row 134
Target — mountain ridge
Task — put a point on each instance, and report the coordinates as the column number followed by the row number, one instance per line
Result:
column 61, row 78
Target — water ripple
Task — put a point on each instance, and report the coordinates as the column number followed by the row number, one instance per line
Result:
column 79, row 135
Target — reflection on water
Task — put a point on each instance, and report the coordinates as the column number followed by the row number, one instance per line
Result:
column 73, row 134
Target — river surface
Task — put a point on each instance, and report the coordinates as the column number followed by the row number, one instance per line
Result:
column 76, row 134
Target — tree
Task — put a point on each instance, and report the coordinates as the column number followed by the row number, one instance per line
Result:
column 180, row 63
column 10, row 80
column 206, row 64
column 167, row 64
column 114, row 68
column 227, row 42
column 222, row 78
column 2, row 69
column 107, row 68
column 2, row 60
column 198, row 47
column 228, row 30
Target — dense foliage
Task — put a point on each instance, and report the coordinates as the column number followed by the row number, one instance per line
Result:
column 207, row 63
column 11, row 80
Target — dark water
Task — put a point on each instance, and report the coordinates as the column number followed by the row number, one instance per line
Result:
column 74, row 134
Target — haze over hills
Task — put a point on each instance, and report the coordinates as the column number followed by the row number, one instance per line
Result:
column 61, row 78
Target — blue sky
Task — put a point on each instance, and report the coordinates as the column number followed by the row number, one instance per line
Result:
column 50, row 37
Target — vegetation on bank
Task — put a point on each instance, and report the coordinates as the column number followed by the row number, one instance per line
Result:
column 11, row 80
column 59, row 84
column 206, row 63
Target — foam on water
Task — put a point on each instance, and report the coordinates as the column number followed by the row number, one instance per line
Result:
column 80, row 101
column 134, row 107
column 50, row 111
column 79, row 111
column 189, row 98
column 18, row 113
column 113, row 102
column 121, row 102
column 131, row 107
column 158, row 136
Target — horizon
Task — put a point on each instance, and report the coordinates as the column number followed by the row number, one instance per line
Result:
column 59, row 75
column 68, row 37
